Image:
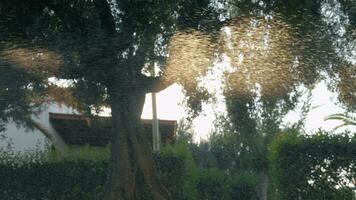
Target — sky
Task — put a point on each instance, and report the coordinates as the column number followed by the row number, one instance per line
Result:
column 323, row 101
column 170, row 106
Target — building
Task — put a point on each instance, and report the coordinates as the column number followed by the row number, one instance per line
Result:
column 64, row 127
column 79, row 130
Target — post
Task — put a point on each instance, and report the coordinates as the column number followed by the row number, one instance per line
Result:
column 155, row 127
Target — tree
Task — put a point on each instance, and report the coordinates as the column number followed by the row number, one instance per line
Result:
column 346, row 120
column 271, row 53
column 19, row 93
column 184, row 132
column 104, row 46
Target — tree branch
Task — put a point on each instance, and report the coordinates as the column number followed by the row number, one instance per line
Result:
column 106, row 18
column 156, row 84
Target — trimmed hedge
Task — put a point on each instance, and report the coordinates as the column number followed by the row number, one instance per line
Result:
column 79, row 180
column 81, row 175
column 215, row 184
column 321, row 166
column 32, row 177
column 186, row 181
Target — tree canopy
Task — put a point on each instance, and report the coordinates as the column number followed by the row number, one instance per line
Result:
column 107, row 50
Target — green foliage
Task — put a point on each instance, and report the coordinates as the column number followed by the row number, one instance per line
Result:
column 15, row 96
column 87, row 153
column 176, row 163
column 184, row 132
column 105, row 53
column 346, row 119
column 215, row 184
column 243, row 186
column 211, row 184
column 185, row 180
column 80, row 180
column 80, row 174
column 202, row 154
column 321, row 166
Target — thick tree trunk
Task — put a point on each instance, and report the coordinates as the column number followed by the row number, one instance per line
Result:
column 132, row 174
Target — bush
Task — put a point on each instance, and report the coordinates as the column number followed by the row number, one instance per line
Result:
column 243, row 186
column 43, row 175
column 321, row 166
column 212, row 184
column 178, row 171
column 79, row 180
column 215, row 184
column 81, row 175
column 85, row 153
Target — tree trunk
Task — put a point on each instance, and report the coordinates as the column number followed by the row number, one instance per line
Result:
column 262, row 187
column 132, row 174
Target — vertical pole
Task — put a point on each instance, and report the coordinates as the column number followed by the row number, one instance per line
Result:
column 155, row 128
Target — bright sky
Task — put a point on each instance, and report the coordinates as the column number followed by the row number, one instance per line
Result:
column 169, row 106
column 323, row 101
column 170, row 102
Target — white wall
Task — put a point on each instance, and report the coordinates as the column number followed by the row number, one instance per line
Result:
column 26, row 140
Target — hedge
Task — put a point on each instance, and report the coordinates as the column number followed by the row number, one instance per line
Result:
column 79, row 180
column 81, row 175
column 320, row 166
column 186, row 181
column 214, row 184
column 179, row 172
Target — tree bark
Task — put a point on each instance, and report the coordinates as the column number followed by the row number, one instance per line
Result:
column 262, row 187
column 132, row 173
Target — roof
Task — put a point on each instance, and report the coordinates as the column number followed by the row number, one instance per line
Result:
column 79, row 130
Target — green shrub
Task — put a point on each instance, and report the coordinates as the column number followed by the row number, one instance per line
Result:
column 86, row 153
column 42, row 174
column 211, row 184
column 79, row 180
column 215, row 184
column 81, row 175
column 242, row 186
column 321, row 166
column 178, row 171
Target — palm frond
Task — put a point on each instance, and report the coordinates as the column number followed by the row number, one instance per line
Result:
column 346, row 119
